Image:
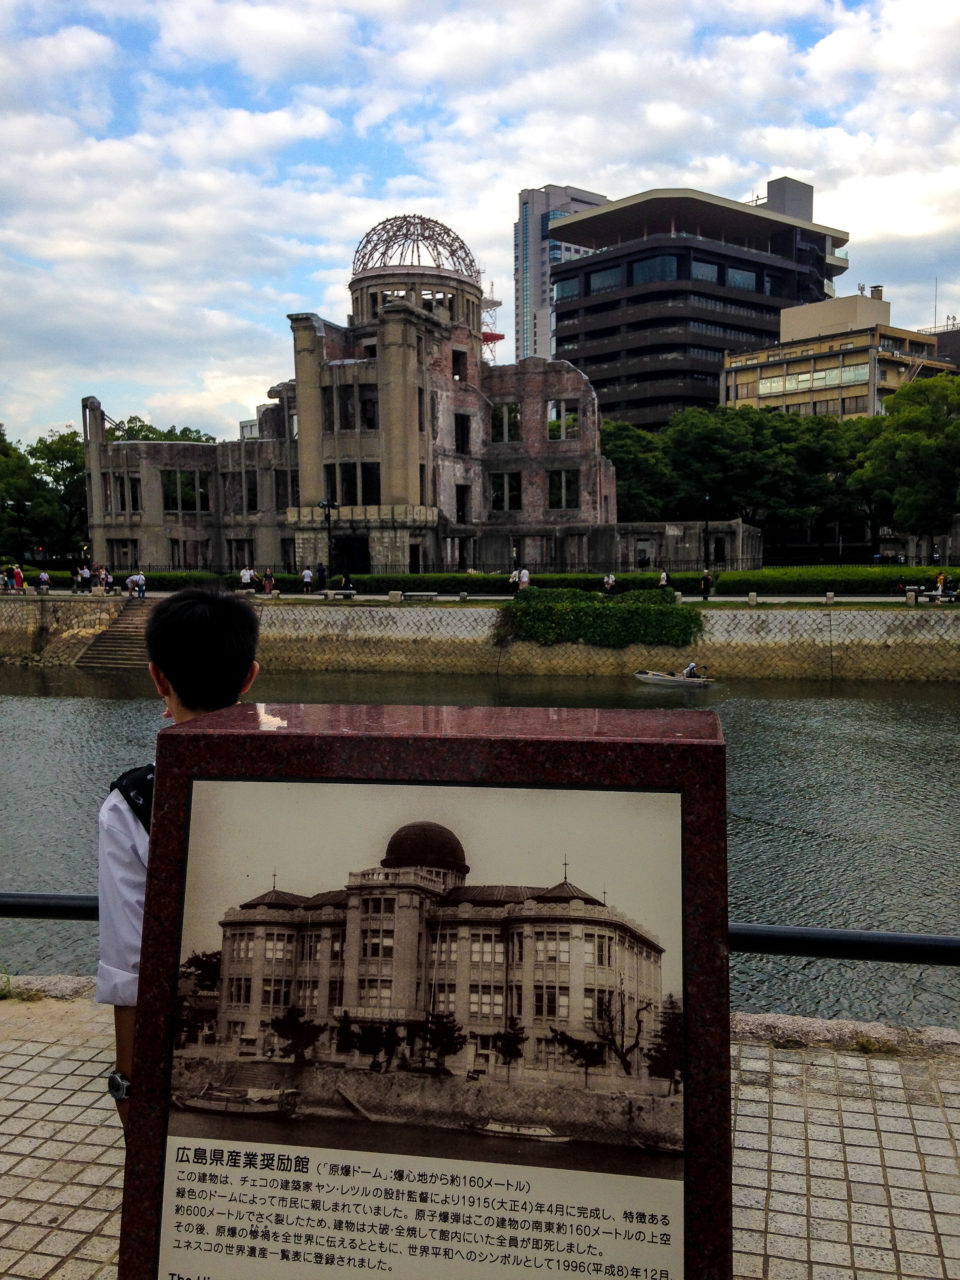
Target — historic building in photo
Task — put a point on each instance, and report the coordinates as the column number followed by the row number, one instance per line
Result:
column 675, row 279
column 395, row 440
column 410, row 938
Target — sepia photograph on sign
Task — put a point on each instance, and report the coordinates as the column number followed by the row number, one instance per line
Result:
column 458, row 972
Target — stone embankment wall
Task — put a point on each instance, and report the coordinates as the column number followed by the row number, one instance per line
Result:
column 635, row 1116
column 767, row 643
column 53, row 629
column 819, row 644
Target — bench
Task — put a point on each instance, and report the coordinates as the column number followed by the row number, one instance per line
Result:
column 420, row 595
column 341, row 595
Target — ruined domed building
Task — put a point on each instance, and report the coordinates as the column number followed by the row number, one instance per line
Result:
column 410, row 938
column 395, row 439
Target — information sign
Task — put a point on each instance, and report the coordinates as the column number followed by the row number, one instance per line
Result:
column 433, row 987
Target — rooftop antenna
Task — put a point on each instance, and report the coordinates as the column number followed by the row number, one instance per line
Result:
column 274, row 879
column 565, row 864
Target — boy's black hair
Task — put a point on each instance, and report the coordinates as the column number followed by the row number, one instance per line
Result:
column 204, row 641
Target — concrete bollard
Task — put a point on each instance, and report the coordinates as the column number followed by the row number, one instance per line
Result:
column 830, row 597
column 395, row 597
column 752, row 598
column 678, row 596
column 911, row 598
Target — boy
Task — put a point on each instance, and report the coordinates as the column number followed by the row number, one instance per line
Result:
column 202, row 646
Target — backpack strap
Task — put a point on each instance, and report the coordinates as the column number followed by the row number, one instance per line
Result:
column 136, row 787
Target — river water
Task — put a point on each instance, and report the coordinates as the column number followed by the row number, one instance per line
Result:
column 841, row 811
column 351, row 1133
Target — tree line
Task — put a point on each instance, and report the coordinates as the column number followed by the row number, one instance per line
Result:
column 775, row 470
column 43, row 495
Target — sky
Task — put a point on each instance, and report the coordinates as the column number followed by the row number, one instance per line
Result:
column 314, row 835
column 180, row 175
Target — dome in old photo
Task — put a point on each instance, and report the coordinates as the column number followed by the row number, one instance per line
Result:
column 425, row 844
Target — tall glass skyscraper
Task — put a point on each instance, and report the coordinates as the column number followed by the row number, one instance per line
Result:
column 535, row 248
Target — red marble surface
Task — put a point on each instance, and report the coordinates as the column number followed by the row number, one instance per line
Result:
column 659, row 751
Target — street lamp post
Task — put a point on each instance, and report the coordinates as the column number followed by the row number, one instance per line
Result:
column 327, row 506
column 706, row 531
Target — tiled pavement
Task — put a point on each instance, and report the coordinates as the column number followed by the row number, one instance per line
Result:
column 845, row 1165
column 61, row 1147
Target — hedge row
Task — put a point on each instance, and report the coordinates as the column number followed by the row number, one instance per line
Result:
column 844, row 580
column 570, row 617
column 816, row 580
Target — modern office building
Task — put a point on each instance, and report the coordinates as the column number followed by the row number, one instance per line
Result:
column 675, row 280
column 840, row 357
column 536, row 249
column 395, row 442
column 410, row 938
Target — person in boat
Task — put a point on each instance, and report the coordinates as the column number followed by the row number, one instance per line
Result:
column 690, row 672
column 201, row 646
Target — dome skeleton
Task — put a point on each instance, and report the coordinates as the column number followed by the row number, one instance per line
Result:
column 413, row 240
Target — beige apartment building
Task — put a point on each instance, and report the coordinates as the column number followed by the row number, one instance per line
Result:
column 841, row 357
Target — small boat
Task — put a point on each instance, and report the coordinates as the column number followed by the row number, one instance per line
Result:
column 242, row 1102
column 506, row 1129
column 673, row 677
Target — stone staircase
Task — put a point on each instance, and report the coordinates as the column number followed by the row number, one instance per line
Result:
column 121, row 646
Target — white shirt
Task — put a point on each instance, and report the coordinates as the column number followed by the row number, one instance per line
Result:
column 124, row 845
column 307, row 575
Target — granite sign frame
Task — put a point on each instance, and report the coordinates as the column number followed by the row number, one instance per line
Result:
column 316, row 800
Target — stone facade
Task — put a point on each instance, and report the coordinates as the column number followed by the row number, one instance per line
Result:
column 395, row 447
column 183, row 505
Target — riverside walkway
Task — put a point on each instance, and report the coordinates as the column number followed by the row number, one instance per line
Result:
column 846, row 1163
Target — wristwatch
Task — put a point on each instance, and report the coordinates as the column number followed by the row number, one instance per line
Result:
column 118, row 1086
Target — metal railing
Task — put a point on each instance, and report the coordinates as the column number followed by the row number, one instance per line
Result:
column 761, row 939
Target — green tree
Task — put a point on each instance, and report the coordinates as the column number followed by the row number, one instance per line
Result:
column 61, row 515
column 586, row 1053
column 19, row 492
column 665, row 1056
column 645, row 481
column 509, row 1043
column 136, row 428
column 300, row 1034
column 915, row 457
column 859, row 492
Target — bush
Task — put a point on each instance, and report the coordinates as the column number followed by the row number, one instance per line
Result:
column 568, row 617
column 817, row 580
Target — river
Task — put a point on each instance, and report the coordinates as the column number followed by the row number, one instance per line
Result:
column 840, row 811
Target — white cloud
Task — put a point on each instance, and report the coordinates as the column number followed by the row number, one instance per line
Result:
column 268, row 42
column 179, row 174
